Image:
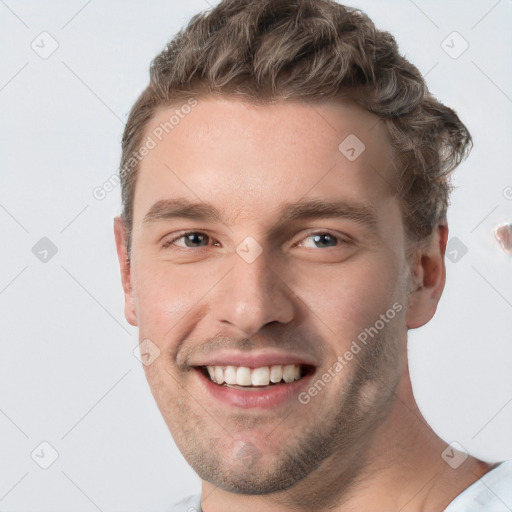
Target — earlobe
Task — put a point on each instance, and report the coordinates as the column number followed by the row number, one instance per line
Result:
column 428, row 277
column 125, row 267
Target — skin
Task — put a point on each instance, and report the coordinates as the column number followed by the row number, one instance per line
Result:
column 359, row 444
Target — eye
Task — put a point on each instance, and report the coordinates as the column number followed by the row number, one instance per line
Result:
column 322, row 240
column 191, row 239
column 198, row 240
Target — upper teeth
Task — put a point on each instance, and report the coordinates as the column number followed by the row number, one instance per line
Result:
column 262, row 376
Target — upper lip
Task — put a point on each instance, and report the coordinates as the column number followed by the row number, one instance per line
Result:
column 252, row 359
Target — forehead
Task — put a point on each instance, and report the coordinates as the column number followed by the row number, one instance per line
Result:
column 249, row 159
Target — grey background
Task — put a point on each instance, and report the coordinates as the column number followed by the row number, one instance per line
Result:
column 68, row 375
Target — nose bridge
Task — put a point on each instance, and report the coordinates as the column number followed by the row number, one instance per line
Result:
column 251, row 295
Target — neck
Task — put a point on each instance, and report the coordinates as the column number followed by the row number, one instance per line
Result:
column 401, row 468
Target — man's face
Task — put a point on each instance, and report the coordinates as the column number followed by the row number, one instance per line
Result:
column 292, row 271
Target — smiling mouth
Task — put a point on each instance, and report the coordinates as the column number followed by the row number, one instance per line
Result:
column 243, row 377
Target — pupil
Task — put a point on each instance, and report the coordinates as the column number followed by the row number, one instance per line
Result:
column 321, row 239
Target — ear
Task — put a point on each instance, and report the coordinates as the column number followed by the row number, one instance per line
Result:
column 428, row 277
column 120, row 233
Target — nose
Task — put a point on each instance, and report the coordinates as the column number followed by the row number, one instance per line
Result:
column 252, row 295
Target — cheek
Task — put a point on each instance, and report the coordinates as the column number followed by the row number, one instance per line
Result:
column 353, row 296
column 375, row 288
column 164, row 297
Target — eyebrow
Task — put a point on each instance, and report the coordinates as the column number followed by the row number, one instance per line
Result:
column 167, row 209
column 361, row 213
column 358, row 212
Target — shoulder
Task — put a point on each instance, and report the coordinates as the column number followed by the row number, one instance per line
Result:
column 492, row 492
column 189, row 504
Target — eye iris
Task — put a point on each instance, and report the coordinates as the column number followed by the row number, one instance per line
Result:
column 194, row 238
column 321, row 239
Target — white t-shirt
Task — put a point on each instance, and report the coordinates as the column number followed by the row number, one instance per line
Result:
column 491, row 493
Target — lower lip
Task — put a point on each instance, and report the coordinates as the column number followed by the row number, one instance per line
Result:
column 263, row 398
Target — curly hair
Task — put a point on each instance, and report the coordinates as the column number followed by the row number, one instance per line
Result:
column 270, row 50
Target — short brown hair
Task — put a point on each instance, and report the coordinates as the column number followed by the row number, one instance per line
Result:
column 269, row 50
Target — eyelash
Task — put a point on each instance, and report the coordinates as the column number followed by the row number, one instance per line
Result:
column 169, row 243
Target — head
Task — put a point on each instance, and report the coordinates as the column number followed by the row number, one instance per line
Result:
column 285, row 181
